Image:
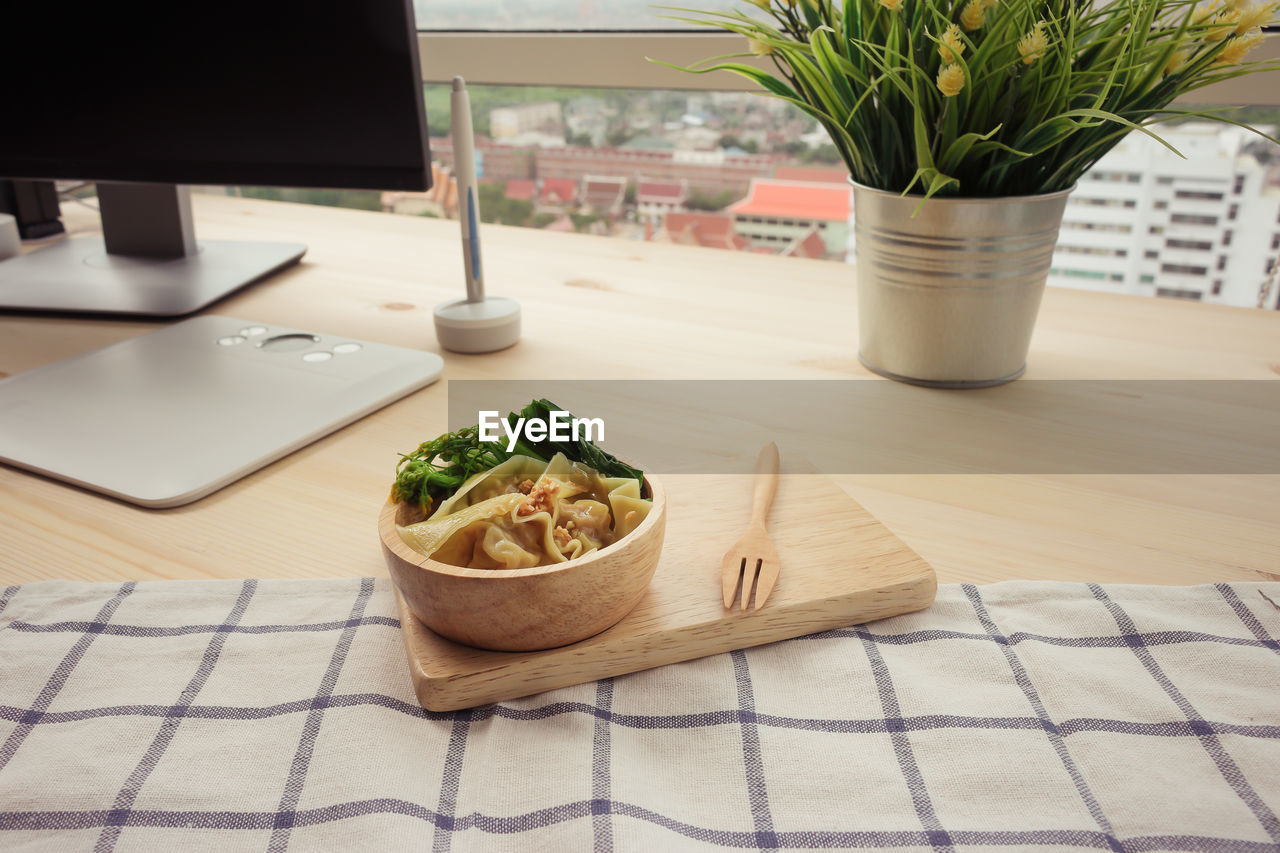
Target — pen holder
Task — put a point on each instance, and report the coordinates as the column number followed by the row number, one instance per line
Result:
column 472, row 327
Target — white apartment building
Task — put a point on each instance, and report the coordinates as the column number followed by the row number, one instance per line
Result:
column 508, row 122
column 1147, row 221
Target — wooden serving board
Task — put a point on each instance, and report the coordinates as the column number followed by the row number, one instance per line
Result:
column 840, row 567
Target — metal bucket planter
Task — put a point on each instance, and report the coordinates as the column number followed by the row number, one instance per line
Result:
column 949, row 298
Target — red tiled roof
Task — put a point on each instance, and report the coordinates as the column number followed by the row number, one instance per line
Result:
column 520, row 188
column 713, row 230
column 810, row 245
column 795, row 200
column 559, row 190
column 812, row 174
column 661, row 191
column 603, row 191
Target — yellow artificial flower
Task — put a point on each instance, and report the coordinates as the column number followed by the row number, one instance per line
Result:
column 1236, row 49
column 1236, row 5
column 763, row 4
column 1177, row 61
column 758, row 47
column 974, row 15
column 1032, row 46
column 1202, row 14
column 892, row 5
column 951, row 80
column 951, row 45
column 1255, row 16
column 1222, row 26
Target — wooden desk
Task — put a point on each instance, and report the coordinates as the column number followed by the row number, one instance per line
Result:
column 687, row 313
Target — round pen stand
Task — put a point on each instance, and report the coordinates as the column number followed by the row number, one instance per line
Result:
column 485, row 326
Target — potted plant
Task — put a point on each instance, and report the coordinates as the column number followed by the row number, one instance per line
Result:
column 964, row 125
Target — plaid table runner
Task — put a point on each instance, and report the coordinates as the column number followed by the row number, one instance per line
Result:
column 256, row 715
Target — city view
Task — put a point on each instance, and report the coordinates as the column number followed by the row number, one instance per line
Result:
column 741, row 172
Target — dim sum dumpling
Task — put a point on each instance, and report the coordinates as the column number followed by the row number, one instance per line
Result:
column 525, row 513
column 588, row 522
column 504, row 478
column 626, row 504
column 428, row 537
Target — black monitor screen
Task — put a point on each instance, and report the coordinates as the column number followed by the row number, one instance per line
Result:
column 307, row 93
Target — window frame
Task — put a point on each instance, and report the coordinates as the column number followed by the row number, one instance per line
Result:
column 617, row 60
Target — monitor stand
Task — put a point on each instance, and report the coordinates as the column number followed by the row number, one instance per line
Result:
column 147, row 261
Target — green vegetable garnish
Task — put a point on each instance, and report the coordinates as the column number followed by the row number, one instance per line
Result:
column 438, row 467
column 577, row 451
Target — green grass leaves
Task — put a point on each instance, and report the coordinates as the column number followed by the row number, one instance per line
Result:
column 986, row 97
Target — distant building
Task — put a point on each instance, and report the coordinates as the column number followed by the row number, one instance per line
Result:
column 497, row 162
column 811, row 245
column 589, row 116
column 521, row 189
column 655, row 199
column 558, row 192
column 775, row 213
column 536, row 139
column 710, row 230
column 696, row 138
column 508, row 122
column 1145, row 221
column 706, row 171
column 812, row 174
column 603, row 194
column 647, row 142
column 552, row 194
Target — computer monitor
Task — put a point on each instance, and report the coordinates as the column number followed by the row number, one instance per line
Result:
column 146, row 99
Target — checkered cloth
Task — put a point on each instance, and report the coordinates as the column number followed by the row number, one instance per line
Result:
column 223, row 715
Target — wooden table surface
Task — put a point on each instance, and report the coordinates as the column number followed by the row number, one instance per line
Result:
column 600, row 308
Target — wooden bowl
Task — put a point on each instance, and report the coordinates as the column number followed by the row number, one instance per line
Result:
column 520, row 610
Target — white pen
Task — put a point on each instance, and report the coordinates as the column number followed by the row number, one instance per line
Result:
column 464, row 167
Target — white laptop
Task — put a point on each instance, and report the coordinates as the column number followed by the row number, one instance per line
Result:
column 170, row 416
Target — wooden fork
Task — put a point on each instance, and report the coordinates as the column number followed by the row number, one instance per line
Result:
column 753, row 561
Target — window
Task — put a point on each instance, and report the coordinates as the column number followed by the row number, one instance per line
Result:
column 1193, row 219
column 536, row 53
column 1103, row 202
column 1198, row 245
column 1184, row 269
column 1217, row 287
column 1097, row 251
column 1110, row 227
column 1226, row 238
column 1114, row 177
column 1200, row 195
column 1174, row 293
